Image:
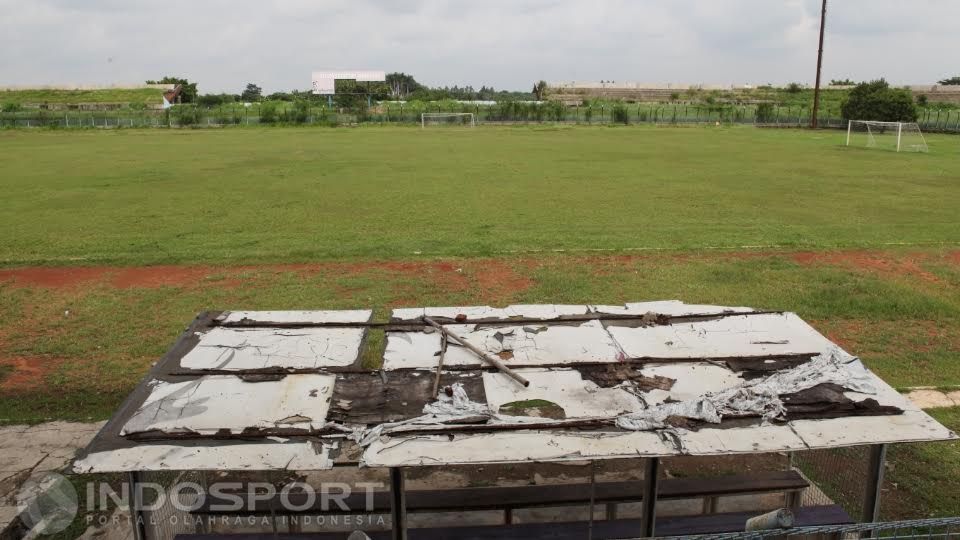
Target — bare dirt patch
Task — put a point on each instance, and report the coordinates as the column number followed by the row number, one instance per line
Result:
column 25, row 373
column 488, row 278
column 908, row 264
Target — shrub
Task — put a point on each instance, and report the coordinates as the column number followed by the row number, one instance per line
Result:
column 299, row 113
column 674, row 96
column 268, row 113
column 620, row 114
column 875, row 100
column 187, row 115
column 11, row 107
column 794, row 88
column 922, row 101
column 764, row 113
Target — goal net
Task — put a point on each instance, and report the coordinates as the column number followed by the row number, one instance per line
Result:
column 895, row 136
column 447, row 119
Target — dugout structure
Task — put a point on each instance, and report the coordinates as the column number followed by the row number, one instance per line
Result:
column 664, row 382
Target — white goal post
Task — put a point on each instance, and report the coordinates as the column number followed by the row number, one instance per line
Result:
column 897, row 136
column 447, row 119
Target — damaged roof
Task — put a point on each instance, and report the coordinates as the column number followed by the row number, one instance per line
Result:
column 248, row 390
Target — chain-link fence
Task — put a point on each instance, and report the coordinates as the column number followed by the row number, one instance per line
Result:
column 410, row 114
column 937, row 528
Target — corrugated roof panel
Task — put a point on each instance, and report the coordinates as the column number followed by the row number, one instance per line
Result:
column 235, row 349
column 217, row 403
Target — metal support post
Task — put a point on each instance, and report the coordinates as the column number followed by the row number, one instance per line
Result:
column 651, row 471
column 398, row 504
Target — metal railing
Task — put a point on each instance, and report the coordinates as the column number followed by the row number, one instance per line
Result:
column 947, row 528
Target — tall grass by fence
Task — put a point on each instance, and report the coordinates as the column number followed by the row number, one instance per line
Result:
column 307, row 113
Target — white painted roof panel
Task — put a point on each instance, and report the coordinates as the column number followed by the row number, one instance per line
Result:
column 297, row 317
column 235, row 349
column 214, row 403
column 728, row 337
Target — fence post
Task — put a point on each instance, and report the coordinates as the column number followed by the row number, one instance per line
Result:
column 871, row 500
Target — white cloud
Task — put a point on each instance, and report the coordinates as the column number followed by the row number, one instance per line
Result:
column 505, row 43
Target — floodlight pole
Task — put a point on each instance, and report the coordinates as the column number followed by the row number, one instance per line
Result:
column 816, row 89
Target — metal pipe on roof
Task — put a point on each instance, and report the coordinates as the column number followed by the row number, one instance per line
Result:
column 490, row 359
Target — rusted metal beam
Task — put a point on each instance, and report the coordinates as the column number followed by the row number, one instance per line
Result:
column 443, row 352
column 488, row 358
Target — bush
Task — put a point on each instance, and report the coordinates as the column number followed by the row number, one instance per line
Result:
column 299, row 113
column 765, row 113
column 620, row 114
column 794, row 88
column 922, row 101
column 268, row 113
column 875, row 100
column 11, row 107
column 186, row 115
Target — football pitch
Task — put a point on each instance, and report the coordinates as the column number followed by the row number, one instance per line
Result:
column 113, row 240
column 298, row 195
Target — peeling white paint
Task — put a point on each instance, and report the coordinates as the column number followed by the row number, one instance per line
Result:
column 530, row 345
column 215, row 402
column 235, row 349
column 565, row 388
column 691, row 380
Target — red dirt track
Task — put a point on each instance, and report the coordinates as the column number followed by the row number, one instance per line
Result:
column 497, row 276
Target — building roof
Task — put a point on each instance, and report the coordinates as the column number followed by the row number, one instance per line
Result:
column 289, row 390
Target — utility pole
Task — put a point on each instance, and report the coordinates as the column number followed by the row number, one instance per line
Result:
column 816, row 90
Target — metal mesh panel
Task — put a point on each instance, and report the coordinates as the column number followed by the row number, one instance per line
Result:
column 168, row 521
column 837, row 476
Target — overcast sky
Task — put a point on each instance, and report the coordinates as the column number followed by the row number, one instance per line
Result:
column 505, row 43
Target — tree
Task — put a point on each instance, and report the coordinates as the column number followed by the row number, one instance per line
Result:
column 251, row 93
column 952, row 81
column 402, row 85
column 188, row 90
column 842, row 82
column 539, row 89
column 875, row 100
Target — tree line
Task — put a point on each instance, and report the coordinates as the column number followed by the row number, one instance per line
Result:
column 397, row 86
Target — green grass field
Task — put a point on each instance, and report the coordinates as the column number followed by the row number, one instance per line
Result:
column 242, row 195
column 151, row 96
column 863, row 244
